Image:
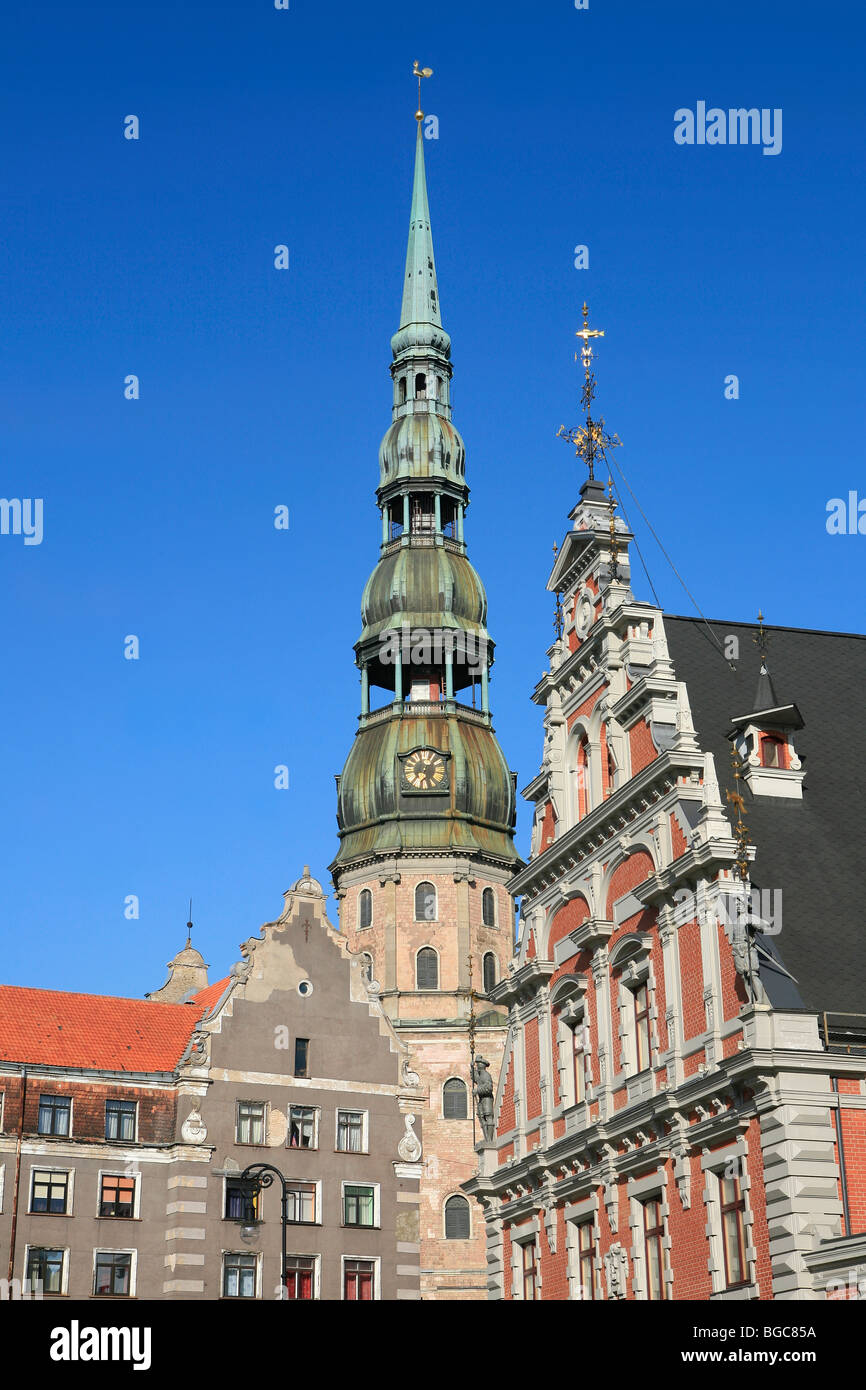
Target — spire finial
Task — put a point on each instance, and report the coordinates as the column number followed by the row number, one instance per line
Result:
column 741, row 831
column 614, row 545
column 189, row 924
column 761, row 638
column 419, row 73
column 590, row 440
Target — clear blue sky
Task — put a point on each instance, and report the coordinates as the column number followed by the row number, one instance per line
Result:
column 261, row 387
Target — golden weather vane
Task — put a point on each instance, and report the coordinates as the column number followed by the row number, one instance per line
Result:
column 589, row 439
column 419, row 73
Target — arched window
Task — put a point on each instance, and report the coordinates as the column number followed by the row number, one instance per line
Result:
column 367, row 966
column 488, row 907
column 401, row 391
column 488, row 971
column 425, row 903
column 582, row 777
column 457, row 1219
column 420, row 386
column 427, row 969
column 365, row 908
column 772, row 751
column 454, row 1103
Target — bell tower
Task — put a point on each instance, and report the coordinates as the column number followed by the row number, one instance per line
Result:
column 426, row 801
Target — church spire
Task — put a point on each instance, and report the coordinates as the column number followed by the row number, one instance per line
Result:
column 420, row 291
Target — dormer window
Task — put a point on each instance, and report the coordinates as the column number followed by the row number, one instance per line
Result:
column 773, row 751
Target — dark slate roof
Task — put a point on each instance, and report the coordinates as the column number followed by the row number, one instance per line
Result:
column 814, row 850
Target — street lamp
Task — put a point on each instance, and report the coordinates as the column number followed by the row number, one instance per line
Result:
column 252, row 1180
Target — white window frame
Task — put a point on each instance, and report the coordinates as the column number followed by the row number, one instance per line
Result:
column 64, row 1269
column 445, row 1200
column 235, row 1178
column 365, row 1129
column 121, row 1100
column 635, row 969
column 249, row 1143
column 133, row 1270
column 377, row 1213
column 317, row 1272
column 2, row 1109
column 520, row 1236
column 713, row 1165
column 226, row 1298
column 136, row 1196
column 653, row 1187
column 317, row 1114
column 317, row 1198
column 583, row 1213
column 374, row 1260
column 70, row 1190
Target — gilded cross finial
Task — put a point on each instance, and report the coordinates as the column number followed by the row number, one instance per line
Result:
column 761, row 638
column 590, row 440
column 419, row 73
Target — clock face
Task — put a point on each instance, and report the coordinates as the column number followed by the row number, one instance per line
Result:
column 424, row 771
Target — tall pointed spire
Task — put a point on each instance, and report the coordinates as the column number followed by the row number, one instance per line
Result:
column 420, row 291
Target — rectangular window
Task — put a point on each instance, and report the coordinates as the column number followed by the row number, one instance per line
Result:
column 654, row 1231
column 641, row 1028
column 239, row 1276
column 120, row 1119
column 113, row 1274
column 50, row 1192
column 242, row 1203
column 45, row 1267
column 302, row 1056
column 303, row 1127
column 528, row 1259
column 350, row 1131
column 733, row 1205
column 117, row 1195
column 301, row 1202
column 55, row 1114
column 358, row 1280
column 250, row 1122
column 577, row 1063
column 586, row 1260
column 300, row 1277
column 359, row 1205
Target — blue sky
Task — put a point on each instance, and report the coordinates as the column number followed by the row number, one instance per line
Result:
column 261, row 387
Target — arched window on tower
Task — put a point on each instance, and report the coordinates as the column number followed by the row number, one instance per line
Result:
column 401, row 391
column 488, row 907
column 611, row 773
column 420, row 386
column 365, row 908
column 427, row 969
column 425, row 903
column 454, row 1100
column 457, row 1226
column 488, row 971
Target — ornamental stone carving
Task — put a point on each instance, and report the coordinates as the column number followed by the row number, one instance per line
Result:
column 194, row 1130
column 616, row 1271
column 409, row 1147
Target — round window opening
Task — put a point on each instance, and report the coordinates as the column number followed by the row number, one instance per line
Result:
column 305, row 988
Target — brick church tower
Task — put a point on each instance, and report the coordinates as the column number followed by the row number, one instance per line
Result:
column 426, row 802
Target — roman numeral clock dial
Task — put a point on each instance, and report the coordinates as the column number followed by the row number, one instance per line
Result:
column 425, row 771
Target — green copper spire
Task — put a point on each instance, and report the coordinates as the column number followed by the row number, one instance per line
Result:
column 420, row 291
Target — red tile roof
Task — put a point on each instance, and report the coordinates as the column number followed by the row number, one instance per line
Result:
column 211, row 994
column 93, row 1030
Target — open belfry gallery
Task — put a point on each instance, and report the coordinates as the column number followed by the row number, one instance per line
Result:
column 646, row 1091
